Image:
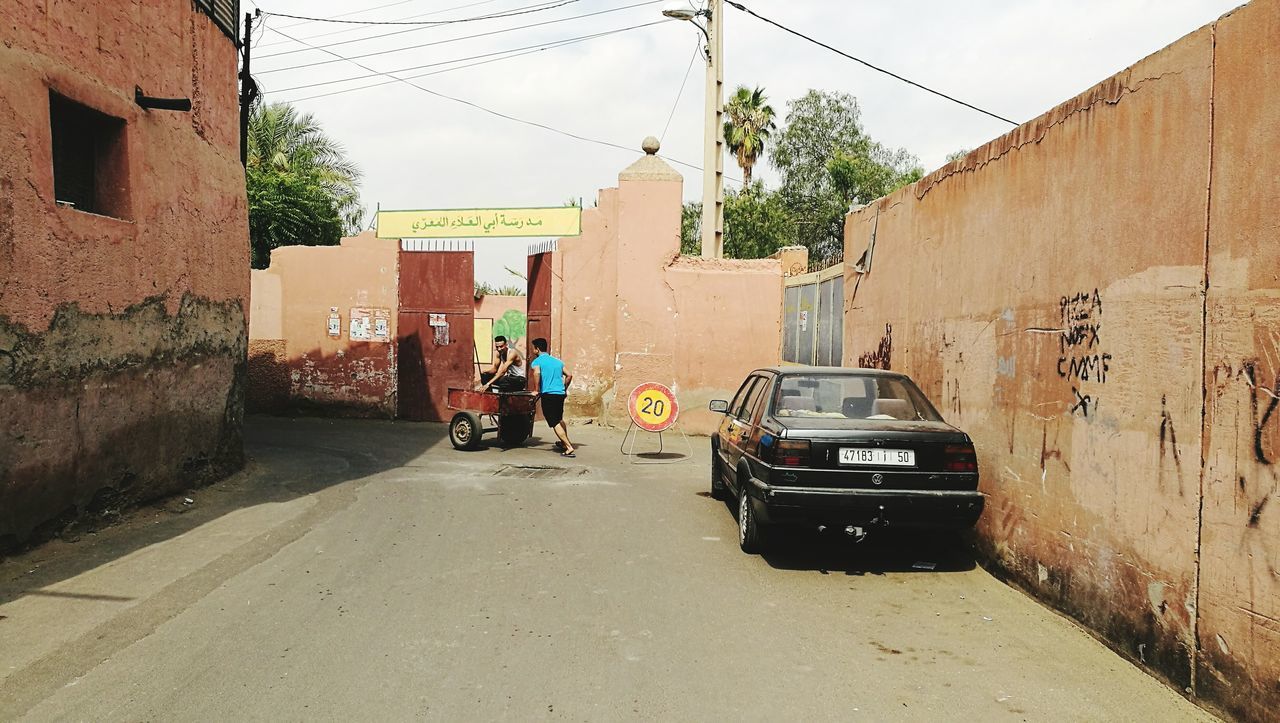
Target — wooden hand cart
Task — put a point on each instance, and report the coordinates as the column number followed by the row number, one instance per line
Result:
column 510, row 414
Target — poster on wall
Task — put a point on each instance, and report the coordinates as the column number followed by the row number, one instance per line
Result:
column 382, row 325
column 335, row 323
column 369, row 324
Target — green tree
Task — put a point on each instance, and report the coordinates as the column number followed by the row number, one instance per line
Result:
column 301, row 187
column 748, row 124
column 827, row 163
column 756, row 223
column 691, row 228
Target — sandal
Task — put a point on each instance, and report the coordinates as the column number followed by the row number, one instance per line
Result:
column 568, row 454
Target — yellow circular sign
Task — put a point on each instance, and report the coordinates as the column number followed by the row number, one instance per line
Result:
column 653, row 407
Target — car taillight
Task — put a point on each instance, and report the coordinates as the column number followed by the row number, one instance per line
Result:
column 791, row 452
column 960, row 458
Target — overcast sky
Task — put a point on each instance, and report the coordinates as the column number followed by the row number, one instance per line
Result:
column 1015, row 58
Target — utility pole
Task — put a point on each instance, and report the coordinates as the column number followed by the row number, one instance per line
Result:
column 248, row 89
column 713, row 136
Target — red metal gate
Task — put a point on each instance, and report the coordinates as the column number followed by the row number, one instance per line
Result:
column 435, row 327
column 538, row 301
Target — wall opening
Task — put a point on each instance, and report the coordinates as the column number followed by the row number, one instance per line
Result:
column 90, row 158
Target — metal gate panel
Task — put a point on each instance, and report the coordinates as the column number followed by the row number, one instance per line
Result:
column 538, row 299
column 436, row 327
column 808, row 323
column 790, row 323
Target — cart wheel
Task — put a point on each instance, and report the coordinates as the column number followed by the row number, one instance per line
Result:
column 514, row 429
column 465, row 430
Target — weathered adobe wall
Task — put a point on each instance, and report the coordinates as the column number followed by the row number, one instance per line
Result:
column 628, row 309
column 584, row 297
column 294, row 363
column 1047, row 292
column 1239, row 629
column 122, row 340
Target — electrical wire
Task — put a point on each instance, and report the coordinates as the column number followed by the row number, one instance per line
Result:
column 352, row 30
column 552, row 46
column 438, row 42
column 504, row 14
column 386, row 5
column 697, row 47
column 490, row 111
column 751, row 12
column 539, row 46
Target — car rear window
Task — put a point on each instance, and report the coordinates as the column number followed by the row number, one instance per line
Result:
column 844, row 396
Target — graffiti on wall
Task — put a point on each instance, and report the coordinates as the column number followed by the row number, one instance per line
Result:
column 1080, row 355
column 882, row 356
column 513, row 325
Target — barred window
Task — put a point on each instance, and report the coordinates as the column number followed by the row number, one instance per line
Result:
column 225, row 14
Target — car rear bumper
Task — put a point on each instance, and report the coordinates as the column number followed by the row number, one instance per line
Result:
column 917, row 509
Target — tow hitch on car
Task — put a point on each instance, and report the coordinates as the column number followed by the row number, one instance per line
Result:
column 859, row 532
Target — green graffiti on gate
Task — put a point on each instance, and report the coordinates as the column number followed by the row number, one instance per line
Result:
column 512, row 325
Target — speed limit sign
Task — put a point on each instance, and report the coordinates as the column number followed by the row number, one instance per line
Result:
column 653, row 407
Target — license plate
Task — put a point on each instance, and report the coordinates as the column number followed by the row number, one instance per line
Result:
column 886, row 457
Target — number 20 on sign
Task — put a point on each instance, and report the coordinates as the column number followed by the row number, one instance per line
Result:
column 653, row 407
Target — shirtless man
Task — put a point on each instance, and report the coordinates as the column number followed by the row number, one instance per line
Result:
column 507, row 373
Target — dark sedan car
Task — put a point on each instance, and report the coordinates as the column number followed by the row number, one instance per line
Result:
column 843, row 449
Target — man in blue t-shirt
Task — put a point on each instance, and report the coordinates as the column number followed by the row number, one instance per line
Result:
column 551, row 381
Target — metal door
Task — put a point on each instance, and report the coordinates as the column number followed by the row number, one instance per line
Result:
column 538, row 299
column 436, row 326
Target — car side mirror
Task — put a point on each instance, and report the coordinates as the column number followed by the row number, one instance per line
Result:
column 718, row 405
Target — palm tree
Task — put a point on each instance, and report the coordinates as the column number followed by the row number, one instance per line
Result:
column 301, row 187
column 748, row 124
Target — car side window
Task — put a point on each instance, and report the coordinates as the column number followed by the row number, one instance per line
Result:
column 747, row 413
column 741, row 396
column 740, row 408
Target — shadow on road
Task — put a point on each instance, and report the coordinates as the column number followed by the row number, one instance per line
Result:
column 287, row 458
column 881, row 551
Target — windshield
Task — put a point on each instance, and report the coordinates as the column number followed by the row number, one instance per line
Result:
column 844, row 396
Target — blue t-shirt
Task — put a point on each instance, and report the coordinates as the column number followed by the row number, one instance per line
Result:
column 551, row 371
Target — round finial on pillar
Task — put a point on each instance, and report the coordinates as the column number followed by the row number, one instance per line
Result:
column 651, row 145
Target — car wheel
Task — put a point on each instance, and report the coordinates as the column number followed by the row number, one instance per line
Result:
column 750, row 534
column 465, row 430
column 717, row 483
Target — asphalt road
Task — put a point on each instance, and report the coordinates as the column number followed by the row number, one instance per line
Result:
column 367, row 571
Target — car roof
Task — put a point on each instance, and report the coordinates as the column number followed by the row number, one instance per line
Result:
column 798, row 370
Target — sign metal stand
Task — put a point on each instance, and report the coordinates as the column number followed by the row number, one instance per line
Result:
column 652, row 408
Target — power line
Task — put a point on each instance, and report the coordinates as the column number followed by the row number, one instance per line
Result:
column 748, row 11
column 424, row 45
column 697, row 46
column 468, row 65
column 504, row 14
column 490, row 111
column 539, row 46
column 351, row 30
column 380, row 7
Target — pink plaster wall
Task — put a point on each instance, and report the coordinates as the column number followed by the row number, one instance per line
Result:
column 628, row 309
column 514, row 308
column 96, row 312
column 1048, row 292
column 1239, row 594
column 293, row 361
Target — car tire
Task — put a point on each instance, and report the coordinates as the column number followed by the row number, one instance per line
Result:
column 751, row 537
column 718, row 491
column 465, row 431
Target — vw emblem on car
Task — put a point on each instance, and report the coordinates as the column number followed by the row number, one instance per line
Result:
column 877, row 479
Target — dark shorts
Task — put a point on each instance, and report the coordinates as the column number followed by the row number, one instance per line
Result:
column 507, row 383
column 553, row 408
